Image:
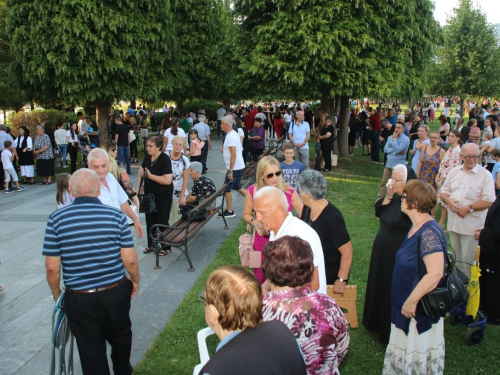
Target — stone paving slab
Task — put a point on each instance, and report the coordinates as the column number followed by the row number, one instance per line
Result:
column 26, row 305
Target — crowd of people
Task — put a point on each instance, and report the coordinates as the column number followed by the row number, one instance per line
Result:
column 302, row 237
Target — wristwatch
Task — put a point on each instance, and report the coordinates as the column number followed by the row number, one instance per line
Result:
column 471, row 209
column 342, row 280
column 229, row 171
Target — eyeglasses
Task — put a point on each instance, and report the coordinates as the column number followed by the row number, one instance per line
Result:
column 470, row 156
column 271, row 175
column 149, row 146
column 403, row 197
column 395, row 180
column 434, row 137
column 202, row 297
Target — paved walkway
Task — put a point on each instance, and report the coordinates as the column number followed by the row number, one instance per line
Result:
column 26, row 305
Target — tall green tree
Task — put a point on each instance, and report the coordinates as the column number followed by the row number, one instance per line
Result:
column 10, row 94
column 88, row 51
column 200, row 29
column 328, row 48
column 468, row 62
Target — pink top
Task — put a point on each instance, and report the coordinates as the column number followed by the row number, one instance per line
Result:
column 476, row 131
column 196, row 147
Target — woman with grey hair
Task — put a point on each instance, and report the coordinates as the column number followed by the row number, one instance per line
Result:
column 44, row 156
column 394, row 226
column 329, row 223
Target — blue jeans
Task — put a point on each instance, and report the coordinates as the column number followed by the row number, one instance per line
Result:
column 63, row 150
column 124, row 156
column 375, row 145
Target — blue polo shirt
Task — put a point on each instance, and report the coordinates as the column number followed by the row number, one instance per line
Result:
column 299, row 133
column 88, row 237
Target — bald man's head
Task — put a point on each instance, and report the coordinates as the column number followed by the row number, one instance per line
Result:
column 84, row 183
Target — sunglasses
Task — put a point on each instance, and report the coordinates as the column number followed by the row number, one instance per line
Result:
column 271, row 175
column 202, row 297
column 403, row 197
column 112, row 142
column 113, row 150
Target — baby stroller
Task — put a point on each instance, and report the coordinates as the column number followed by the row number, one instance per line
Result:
column 468, row 312
column 61, row 334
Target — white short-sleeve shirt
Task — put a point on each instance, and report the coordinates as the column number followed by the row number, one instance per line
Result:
column 233, row 140
column 114, row 196
column 293, row 226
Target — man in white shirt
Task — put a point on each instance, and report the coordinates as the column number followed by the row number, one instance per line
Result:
column 446, row 110
column 271, row 211
column 233, row 157
column 221, row 112
column 111, row 193
column 299, row 134
column 468, row 191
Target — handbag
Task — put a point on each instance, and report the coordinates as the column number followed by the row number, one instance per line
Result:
column 186, row 209
column 147, row 203
column 447, row 295
column 248, row 256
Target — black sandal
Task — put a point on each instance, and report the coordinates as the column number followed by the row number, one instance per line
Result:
column 164, row 252
column 147, row 250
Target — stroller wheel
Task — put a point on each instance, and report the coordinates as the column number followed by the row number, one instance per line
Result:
column 474, row 336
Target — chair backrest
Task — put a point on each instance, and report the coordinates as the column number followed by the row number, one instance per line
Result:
column 202, row 348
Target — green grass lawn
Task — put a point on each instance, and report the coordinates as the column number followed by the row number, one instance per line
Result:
column 352, row 187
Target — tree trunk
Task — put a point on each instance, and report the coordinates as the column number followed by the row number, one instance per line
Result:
column 462, row 110
column 32, row 105
column 344, row 126
column 102, row 119
column 326, row 103
column 180, row 106
column 412, row 104
column 133, row 104
column 337, row 105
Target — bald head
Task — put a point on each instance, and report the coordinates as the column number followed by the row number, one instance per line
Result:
column 470, row 149
column 84, row 183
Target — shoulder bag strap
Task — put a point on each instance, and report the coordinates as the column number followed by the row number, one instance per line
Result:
column 448, row 260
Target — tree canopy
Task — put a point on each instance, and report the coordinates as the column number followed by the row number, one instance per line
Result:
column 88, row 51
column 334, row 48
column 468, row 61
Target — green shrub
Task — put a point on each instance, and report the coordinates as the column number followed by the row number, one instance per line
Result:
column 34, row 118
column 211, row 107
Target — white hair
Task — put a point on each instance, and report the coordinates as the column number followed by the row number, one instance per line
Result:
column 401, row 167
column 97, row 153
column 84, row 182
column 227, row 120
column 202, row 118
column 276, row 195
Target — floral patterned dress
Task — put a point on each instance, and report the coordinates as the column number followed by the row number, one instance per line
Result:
column 430, row 167
column 450, row 160
column 317, row 323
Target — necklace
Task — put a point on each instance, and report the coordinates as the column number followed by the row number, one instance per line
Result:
column 154, row 161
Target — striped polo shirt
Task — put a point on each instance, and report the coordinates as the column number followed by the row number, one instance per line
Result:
column 88, row 236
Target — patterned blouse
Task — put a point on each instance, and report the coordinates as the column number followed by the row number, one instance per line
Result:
column 203, row 188
column 450, row 160
column 41, row 142
column 317, row 323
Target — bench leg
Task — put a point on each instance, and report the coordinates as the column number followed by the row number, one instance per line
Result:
column 222, row 211
column 156, row 249
column 186, row 253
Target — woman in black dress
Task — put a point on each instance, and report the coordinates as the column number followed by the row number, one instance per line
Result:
column 157, row 169
column 24, row 148
column 489, row 240
column 326, row 137
column 394, row 226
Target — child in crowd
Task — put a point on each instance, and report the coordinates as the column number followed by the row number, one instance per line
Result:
column 485, row 144
column 290, row 168
column 8, row 167
column 195, row 146
column 63, row 196
column 495, row 155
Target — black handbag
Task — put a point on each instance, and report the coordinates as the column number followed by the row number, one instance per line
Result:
column 147, row 202
column 186, row 209
column 447, row 295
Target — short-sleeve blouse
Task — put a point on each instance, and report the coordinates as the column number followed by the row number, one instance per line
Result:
column 41, row 142
column 405, row 276
column 450, row 160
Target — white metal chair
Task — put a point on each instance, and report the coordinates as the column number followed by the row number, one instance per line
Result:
column 202, row 348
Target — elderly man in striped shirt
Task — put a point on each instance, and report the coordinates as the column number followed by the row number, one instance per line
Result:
column 93, row 244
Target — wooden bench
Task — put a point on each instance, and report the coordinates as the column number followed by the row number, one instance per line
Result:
column 179, row 234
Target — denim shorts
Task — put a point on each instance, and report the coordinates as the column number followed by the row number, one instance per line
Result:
column 236, row 183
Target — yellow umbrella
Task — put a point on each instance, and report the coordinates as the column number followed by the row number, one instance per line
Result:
column 473, row 287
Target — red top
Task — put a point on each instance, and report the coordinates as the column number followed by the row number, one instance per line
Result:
column 375, row 122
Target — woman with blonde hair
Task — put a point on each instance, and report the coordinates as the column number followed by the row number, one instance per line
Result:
column 117, row 169
column 268, row 174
